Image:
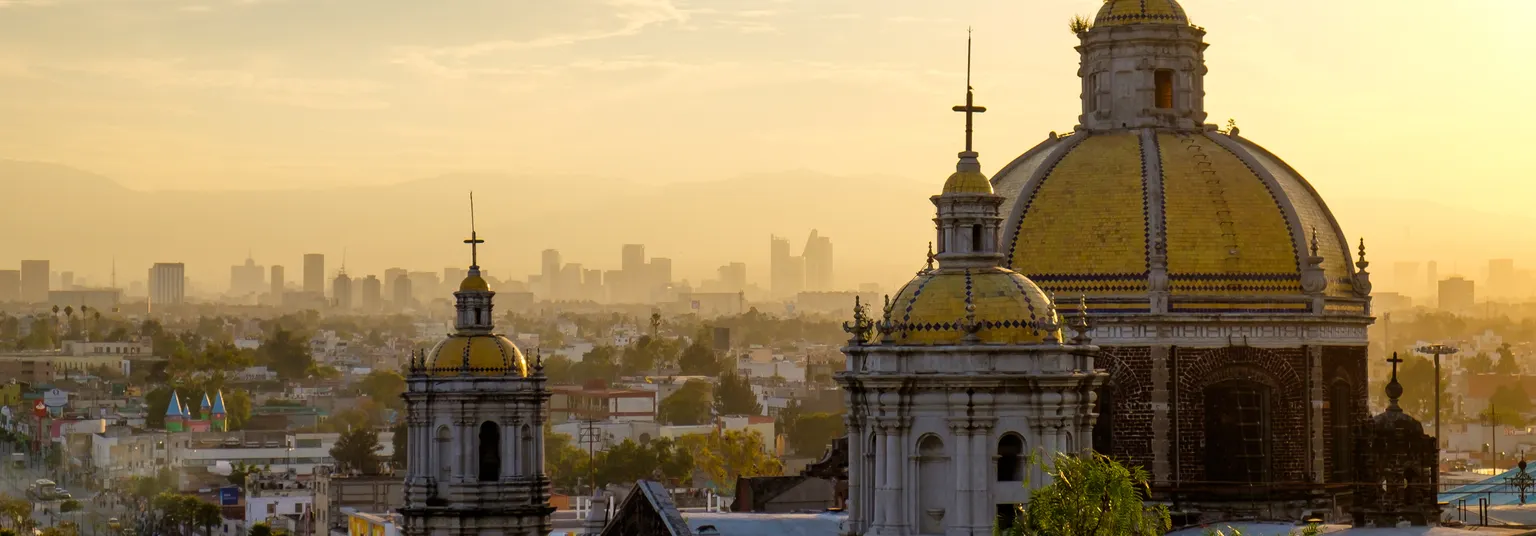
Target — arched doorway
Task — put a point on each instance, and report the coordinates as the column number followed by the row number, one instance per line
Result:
column 490, row 452
column 1237, row 432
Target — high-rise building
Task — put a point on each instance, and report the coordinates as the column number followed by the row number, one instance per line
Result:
column 167, row 284
column 248, row 278
column 592, row 285
column 402, row 291
column 66, row 280
column 314, row 273
column 372, row 291
column 277, row 284
column 613, row 283
column 568, row 285
column 630, row 287
column 786, row 272
column 453, row 274
column 660, row 274
column 549, row 274
column 818, row 263
column 391, row 276
column 733, row 277
column 34, row 281
column 1456, row 294
column 341, row 292
column 10, row 286
column 1433, row 273
column 423, row 286
column 1501, row 278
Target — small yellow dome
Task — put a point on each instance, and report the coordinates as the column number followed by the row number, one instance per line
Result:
column 1010, row 309
column 481, row 355
column 967, row 182
column 1128, row 12
column 474, row 282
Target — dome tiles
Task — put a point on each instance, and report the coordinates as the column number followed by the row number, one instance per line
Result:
column 932, row 308
column 1128, row 12
column 1087, row 214
column 476, row 355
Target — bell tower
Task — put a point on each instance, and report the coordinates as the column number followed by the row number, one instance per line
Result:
column 1142, row 65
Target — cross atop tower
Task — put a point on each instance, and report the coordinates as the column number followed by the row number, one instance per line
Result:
column 473, row 241
column 970, row 108
column 1394, row 360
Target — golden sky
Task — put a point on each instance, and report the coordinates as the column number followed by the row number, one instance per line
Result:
column 1379, row 103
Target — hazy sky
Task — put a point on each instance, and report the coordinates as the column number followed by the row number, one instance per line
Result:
column 1372, row 100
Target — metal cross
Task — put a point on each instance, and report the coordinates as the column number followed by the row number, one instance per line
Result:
column 970, row 107
column 474, row 241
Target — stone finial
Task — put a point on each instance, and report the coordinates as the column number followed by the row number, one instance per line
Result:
column 931, row 256
column 1314, row 241
column 969, row 325
column 538, row 361
column 885, row 326
column 1313, row 279
column 1361, row 264
column 1362, row 277
column 860, row 326
column 1052, row 322
column 1081, row 325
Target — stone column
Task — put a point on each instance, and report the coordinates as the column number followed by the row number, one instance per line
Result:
column 884, row 500
column 1316, row 393
column 958, row 520
column 510, row 464
column 982, row 479
column 1162, row 425
column 855, row 503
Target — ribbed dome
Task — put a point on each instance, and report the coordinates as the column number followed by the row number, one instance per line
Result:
column 476, row 355
column 1086, row 215
column 474, row 282
column 932, row 308
column 967, row 182
column 1128, row 12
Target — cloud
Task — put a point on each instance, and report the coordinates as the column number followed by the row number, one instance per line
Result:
column 249, row 84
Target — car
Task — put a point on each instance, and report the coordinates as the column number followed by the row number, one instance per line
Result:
column 61, row 493
column 114, row 523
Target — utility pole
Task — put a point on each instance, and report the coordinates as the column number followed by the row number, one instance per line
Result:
column 1437, row 350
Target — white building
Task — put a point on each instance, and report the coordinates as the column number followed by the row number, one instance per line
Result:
column 167, row 284
column 279, row 499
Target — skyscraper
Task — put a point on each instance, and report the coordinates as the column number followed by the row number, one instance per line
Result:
column 786, row 272
column 371, row 291
column 391, row 276
column 34, row 281
column 818, row 262
column 167, row 284
column 402, row 291
column 341, row 292
column 277, row 284
column 248, row 278
column 10, row 285
column 733, row 277
column 1456, row 294
column 630, row 287
column 66, row 280
column 549, row 274
column 660, row 273
column 314, row 273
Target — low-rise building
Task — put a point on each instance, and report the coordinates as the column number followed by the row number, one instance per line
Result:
column 366, row 524
column 279, row 499
column 576, row 403
column 338, row 493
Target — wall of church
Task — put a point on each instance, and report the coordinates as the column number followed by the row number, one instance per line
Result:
column 1346, row 364
column 1130, row 373
column 1283, row 370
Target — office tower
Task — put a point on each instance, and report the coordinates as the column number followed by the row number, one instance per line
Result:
column 402, row 293
column 423, row 287
column 612, row 282
column 341, row 291
column 248, row 278
column 167, row 284
column 372, row 291
column 1433, row 276
column 1456, row 294
column 451, row 274
column 549, row 274
column 818, row 262
column 390, row 277
column 592, row 285
column 630, row 287
column 66, row 280
column 568, row 285
column 34, row 281
column 660, row 272
column 314, row 273
column 786, row 272
column 1501, row 278
column 733, row 277
column 277, row 284
column 10, row 285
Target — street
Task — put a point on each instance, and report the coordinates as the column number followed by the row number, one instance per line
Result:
column 91, row 518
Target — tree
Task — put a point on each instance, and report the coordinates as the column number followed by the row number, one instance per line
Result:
column 699, row 358
column 1506, row 364
column 559, row 369
column 810, row 434
column 68, row 506
column 599, row 363
column 689, row 405
column 1091, row 495
column 725, row 457
column 287, row 354
column 16, row 513
column 566, row 463
column 734, row 396
column 240, row 471
column 384, row 387
column 1417, row 376
column 1507, row 406
column 1478, row 364
column 208, row 516
column 397, row 457
column 357, row 450
column 261, row 529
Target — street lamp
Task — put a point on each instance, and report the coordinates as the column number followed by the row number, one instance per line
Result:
column 1437, row 350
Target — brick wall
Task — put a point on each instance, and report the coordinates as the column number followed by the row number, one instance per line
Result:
column 1346, row 365
column 1130, row 373
column 1283, row 369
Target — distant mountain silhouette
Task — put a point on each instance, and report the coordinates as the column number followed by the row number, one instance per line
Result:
column 879, row 226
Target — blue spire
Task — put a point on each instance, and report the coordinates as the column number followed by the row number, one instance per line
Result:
column 205, row 402
column 174, row 408
column 218, row 403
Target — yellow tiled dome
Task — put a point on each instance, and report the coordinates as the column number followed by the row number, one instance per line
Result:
column 1128, row 12
column 967, row 182
column 1087, row 213
column 474, row 282
column 480, row 355
column 932, row 308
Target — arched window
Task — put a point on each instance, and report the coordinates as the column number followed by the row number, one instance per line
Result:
column 1341, row 405
column 976, row 238
column 1237, row 432
column 1010, row 458
column 490, row 451
column 934, row 484
column 443, row 455
column 1164, row 78
column 1104, row 424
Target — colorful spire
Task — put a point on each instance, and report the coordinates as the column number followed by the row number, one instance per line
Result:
column 174, row 409
column 218, row 403
column 205, row 404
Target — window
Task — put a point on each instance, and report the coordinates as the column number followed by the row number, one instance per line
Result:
column 271, row 508
column 1010, row 458
column 1341, row 405
column 1237, row 438
column 444, row 458
column 490, row 451
column 1164, row 79
column 1104, row 426
column 976, row 238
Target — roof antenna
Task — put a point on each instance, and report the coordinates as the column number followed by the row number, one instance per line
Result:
column 474, row 240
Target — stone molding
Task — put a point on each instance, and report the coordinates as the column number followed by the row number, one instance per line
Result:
column 1269, row 334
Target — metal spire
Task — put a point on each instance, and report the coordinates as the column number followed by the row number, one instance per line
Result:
column 474, row 240
column 970, row 108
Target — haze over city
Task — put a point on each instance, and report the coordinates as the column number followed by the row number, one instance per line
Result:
column 697, row 128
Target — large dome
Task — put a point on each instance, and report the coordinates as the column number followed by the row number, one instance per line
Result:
column 1231, row 219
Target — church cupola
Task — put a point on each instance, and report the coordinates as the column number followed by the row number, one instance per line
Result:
column 1142, row 66
column 473, row 300
column 968, row 212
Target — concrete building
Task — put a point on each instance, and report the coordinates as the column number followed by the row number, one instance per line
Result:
column 277, row 284
column 10, row 286
column 248, row 278
column 167, row 284
column 818, row 263
column 1455, row 294
column 390, row 277
column 549, row 274
column 1501, row 279
column 371, row 292
column 341, row 292
column 733, row 277
column 572, row 402
column 34, row 281
column 99, row 299
column 66, row 280
column 314, row 273
column 280, row 499
column 337, row 493
column 402, row 291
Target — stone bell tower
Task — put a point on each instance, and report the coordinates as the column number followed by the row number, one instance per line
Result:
column 1142, row 65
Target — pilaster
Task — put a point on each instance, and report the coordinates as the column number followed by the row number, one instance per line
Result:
column 1316, row 393
column 1162, row 424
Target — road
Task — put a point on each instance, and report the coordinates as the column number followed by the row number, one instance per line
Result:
column 92, row 518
